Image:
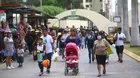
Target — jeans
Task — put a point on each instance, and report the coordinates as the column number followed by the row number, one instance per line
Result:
column 40, row 66
column 90, row 50
column 49, row 57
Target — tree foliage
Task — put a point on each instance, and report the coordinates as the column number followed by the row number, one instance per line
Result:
column 50, row 10
column 10, row 1
column 58, row 3
column 32, row 3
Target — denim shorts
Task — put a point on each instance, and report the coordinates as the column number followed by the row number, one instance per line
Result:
column 8, row 53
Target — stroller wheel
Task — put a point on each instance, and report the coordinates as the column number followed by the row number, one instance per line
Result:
column 77, row 71
column 66, row 72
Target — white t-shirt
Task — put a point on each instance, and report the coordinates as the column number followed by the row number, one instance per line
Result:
column 63, row 38
column 40, row 48
column 19, row 51
column 9, row 42
column 120, row 42
column 48, row 45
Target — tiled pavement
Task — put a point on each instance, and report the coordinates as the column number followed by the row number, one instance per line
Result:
column 129, row 69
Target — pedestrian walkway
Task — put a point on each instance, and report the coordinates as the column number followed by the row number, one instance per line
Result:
column 129, row 69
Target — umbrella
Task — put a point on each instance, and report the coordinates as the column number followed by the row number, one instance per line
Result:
column 6, row 31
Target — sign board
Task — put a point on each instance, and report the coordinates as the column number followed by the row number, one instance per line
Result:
column 73, row 13
column 117, row 19
column 111, row 29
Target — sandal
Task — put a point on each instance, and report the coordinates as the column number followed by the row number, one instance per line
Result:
column 99, row 75
column 104, row 72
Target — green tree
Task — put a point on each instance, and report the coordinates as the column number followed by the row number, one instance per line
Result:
column 10, row 1
column 33, row 3
column 50, row 10
column 51, row 2
column 59, row 3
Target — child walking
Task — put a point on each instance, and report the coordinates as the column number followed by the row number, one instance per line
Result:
column 20, row 54
column 40, row 53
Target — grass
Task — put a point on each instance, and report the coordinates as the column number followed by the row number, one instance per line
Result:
column 135, row 50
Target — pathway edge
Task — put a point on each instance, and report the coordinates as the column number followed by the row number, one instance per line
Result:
column 132, row 55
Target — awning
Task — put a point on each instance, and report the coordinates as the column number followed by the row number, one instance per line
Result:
column 41, row 17
column 22, row 9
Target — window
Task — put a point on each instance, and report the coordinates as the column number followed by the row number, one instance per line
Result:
column 87, row 6
column 90, row 5
column 101, row 5
column 87, row 0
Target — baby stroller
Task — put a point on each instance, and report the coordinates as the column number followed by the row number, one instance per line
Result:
column 72, row 57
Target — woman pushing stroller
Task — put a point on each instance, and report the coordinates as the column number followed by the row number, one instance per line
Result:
column 73, row 38
column 72, row 52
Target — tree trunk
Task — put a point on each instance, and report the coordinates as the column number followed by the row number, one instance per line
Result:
column 120, row 12
column 125, row 20
column 135, row 28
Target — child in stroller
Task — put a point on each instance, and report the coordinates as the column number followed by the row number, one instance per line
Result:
column 71, row 56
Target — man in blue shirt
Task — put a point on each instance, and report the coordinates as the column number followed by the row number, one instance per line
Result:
column 90, row 38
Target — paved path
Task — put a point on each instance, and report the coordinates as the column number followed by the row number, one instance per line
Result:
column 129, row 69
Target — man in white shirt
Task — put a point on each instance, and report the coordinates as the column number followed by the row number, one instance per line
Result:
column 119, row 42
column 48, row 42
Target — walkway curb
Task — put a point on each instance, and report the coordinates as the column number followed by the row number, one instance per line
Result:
column 132, row 55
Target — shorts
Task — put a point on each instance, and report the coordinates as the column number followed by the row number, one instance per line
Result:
column 20, row 59
column 119, row 49
column 8, row 53
column 101, row 59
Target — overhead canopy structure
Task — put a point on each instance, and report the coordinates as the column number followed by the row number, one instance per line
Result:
column 100, row 21
column 39, row 19
column 18, row 8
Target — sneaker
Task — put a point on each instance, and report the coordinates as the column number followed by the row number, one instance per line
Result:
column 41, row 74
column 63, row 60
column 90, row 61
column 121, row 61
column 19, row 66
column 12, row 67
column 8, row 67
column 48, row 70
column 106, row 61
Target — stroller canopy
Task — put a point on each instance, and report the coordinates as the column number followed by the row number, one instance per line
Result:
column 71, row 48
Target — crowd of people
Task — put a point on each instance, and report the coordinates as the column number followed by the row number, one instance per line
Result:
column 41, row 42
column 95, row 41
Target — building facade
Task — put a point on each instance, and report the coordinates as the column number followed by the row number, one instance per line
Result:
column 97, row 5
column 86, row 4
